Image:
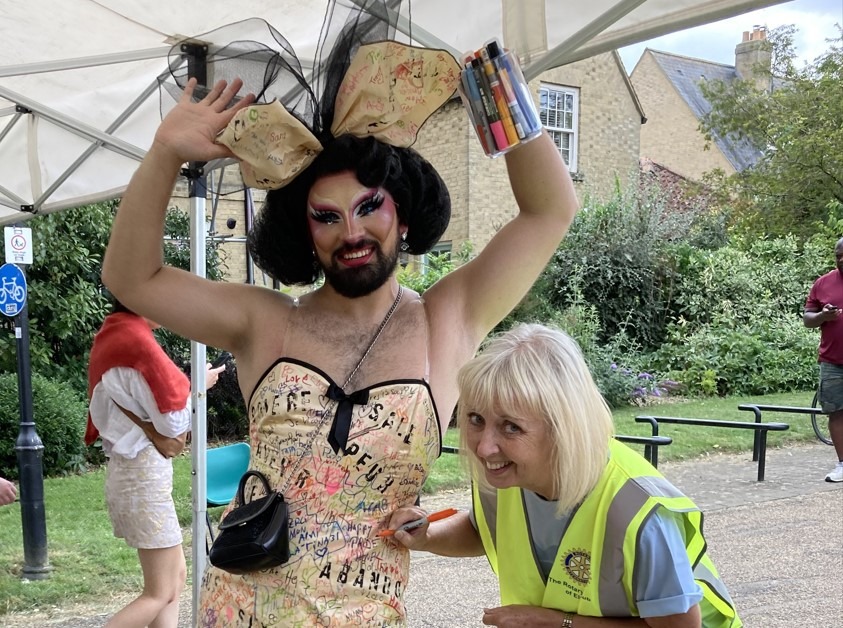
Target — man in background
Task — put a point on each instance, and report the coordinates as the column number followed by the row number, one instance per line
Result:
column 822, row 309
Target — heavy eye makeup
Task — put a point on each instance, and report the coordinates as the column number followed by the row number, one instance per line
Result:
column 367, row 206
column 370, row 204
column 324, row 217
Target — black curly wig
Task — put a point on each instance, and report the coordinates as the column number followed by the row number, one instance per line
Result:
column 280, row 241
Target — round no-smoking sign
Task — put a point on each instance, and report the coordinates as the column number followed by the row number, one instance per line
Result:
column 18, row 245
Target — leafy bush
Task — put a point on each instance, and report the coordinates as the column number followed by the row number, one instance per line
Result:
column 614, row 258
column 436, row 267
column 766, row 352
column 59, row 412
column 65, row 301
column 227, row 418
column 618, row 369
column 771, row 275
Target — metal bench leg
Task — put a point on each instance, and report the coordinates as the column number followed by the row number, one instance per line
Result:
column 756, row 438
column 762, row 453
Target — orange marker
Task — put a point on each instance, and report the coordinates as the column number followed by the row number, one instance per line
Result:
column 412, row 525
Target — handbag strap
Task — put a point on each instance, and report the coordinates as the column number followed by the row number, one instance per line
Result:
column 328, row 414
column 241, row 488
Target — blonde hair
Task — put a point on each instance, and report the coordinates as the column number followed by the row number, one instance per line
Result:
column 538, row 372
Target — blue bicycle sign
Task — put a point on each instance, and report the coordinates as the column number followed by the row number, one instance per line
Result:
column 12, row 289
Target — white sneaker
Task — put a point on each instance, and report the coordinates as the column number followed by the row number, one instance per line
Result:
column 836, row 474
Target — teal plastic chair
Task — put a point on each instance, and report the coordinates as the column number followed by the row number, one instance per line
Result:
column 224, row 466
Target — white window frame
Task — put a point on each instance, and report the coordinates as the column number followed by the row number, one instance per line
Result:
column 555, row 131
column 443, row 246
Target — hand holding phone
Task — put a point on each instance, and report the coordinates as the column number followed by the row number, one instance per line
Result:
column 222, row 358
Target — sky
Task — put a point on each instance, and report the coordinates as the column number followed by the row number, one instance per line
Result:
column 814, row 19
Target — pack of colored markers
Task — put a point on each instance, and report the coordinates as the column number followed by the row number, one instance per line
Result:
column 498, row 99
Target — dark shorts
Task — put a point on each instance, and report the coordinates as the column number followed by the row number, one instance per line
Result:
column 831, row 387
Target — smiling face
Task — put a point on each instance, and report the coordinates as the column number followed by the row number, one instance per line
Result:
column 513, row 451
column 355, row 233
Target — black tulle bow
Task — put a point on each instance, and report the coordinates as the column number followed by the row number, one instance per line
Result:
column 338, row 436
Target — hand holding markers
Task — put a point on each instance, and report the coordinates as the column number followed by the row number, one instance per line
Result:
column 412, row 525
column 498, row 99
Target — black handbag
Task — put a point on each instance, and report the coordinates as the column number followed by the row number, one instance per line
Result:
column 254, row 535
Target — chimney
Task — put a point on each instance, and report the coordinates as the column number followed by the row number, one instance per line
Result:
column 753, row 57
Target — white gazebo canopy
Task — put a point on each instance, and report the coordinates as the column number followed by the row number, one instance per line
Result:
column 78, row 97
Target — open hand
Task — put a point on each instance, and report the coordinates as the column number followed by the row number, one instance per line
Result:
column 187, row 133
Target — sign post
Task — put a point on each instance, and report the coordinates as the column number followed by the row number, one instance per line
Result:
column 29, row 448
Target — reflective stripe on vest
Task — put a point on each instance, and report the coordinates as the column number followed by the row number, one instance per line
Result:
column 589, row 575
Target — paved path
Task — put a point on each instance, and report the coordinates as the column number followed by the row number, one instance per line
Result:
column 778, row 545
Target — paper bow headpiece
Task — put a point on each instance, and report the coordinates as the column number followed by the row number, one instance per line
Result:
column 388, row 92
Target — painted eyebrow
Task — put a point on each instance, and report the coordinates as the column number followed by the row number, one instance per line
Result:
column 364, row 195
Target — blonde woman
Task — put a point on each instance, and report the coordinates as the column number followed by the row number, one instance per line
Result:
column 580, row 530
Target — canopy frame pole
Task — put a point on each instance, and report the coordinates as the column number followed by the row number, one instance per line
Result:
column 559, row 55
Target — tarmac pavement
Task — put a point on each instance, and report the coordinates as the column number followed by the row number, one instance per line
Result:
column 778, row 545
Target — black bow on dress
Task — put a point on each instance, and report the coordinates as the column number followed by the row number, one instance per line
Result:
column 338, row 436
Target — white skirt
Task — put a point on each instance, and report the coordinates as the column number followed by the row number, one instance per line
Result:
column 139, row 496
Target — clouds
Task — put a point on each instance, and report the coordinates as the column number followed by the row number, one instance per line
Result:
column 814, row 19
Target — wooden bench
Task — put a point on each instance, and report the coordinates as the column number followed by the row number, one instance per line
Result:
column 760, row 429
column 651, row 446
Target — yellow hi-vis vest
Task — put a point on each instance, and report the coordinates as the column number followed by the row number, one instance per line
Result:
column 594, row 570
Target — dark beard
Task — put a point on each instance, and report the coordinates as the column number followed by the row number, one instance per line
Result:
column 353, row 283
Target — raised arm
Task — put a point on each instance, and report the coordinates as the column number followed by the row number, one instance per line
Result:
column 207, row 311
column 482, row 292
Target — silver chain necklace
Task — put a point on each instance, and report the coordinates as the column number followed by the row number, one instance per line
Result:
column 327, row 414
column 377, row 334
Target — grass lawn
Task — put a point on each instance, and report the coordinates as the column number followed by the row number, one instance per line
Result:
column 89, row 563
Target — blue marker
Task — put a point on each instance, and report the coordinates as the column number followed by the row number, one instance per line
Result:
column 479, row 115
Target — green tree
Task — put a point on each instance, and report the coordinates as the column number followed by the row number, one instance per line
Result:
column 798, row 127
column 614, row 258
column 65, row 298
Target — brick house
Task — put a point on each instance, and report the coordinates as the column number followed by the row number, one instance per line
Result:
column 589, row 107
column 668, row 87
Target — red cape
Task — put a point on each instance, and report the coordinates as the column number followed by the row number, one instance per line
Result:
column 126, row 340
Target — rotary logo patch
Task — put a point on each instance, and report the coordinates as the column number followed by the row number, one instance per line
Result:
column 578, row 565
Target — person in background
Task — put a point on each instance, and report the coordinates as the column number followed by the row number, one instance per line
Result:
column 581, row 530
column 822, row 309
column 140, row 408
column 8, row 491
